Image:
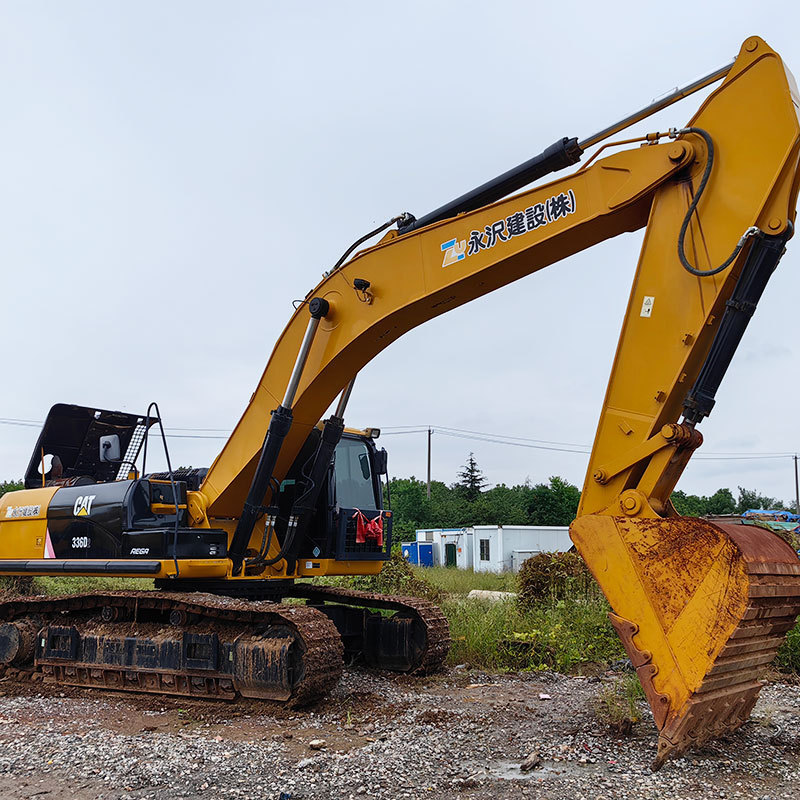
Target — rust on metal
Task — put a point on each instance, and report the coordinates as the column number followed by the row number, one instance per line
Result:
column 642, row 662
column 428, row 615
column 730, row 689
column 701, row 609
column 262, row 631
column 287, row 653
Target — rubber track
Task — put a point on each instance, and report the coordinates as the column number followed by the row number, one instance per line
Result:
column 428, row 614
column 323, row 651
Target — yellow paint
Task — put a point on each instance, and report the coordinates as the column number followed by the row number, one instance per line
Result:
column 23, row 537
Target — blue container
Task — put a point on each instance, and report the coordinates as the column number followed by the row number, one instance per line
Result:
column 424, row 554
column 410, row 552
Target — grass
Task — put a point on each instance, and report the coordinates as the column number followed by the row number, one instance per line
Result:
column 619, row 703
column 566, row 632
column 565, row 635
column 70, row 585
column 788, row 658
column 60, row 586
column 462, row 581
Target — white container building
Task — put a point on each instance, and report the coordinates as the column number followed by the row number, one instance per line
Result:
column 493, row 548
column 452, row 547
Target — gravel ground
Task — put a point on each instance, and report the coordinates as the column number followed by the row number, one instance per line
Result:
column 457, row 735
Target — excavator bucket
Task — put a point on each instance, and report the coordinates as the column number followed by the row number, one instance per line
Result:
column 701, row 610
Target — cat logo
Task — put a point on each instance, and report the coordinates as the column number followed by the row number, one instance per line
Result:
column 83, row 505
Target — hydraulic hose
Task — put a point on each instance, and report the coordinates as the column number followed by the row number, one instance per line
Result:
column 704, row 273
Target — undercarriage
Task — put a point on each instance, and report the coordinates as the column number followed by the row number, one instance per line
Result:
column 211, row 646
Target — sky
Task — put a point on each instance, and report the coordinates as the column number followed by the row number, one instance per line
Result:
column 173, row 175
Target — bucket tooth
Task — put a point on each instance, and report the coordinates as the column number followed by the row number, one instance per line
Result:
column 701, row 610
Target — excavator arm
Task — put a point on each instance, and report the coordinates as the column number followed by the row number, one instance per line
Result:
column 672, row 317
column 413, row 278
column 700, row 608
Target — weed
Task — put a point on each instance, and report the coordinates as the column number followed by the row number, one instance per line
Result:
column 554, row 575
column 788, row 658
column 59, row 586
column 560, row 635
column 462, row 581
column 16, row 584
column 618, row 704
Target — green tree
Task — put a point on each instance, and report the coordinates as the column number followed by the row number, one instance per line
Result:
column 500, row 505
column 688, row 505
column 410, row 507
column 471, row 479
column 720, row 503
column 555, row 503
column 449, row 508
column 691, row 505
column 10, row 486
column 748, row 498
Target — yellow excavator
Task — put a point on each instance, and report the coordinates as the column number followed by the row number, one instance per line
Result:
column 701, row 608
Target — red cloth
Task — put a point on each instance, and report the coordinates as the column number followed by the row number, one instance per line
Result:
column 368, row 529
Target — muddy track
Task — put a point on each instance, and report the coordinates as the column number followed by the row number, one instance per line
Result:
column 427, row 614
column 320, row 643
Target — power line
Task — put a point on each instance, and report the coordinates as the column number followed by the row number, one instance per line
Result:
column 32, row 423
column 511, row 443
column 444, row 430
column 566, row 447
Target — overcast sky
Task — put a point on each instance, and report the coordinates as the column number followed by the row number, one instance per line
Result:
column 174, row 174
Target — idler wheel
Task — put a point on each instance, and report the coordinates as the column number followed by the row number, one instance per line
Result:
column 18, row 641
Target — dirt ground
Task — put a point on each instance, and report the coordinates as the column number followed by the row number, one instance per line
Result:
column 456, row 735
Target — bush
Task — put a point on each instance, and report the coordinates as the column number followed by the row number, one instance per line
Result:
column 554, row 575
column 397, row 577
column 788, row 658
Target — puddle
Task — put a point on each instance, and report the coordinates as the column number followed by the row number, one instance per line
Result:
column 510, row 770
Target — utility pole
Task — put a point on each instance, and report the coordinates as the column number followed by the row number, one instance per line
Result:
column 430, row 433
column 796, row 488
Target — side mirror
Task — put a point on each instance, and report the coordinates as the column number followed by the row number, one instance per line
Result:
column 382, row 461
column 109, row 448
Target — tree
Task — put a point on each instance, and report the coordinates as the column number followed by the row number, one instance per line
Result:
column 500, row 506
column 410, row 508
column 555, row 503
column 10, row 486
column 471, row 479
column 749, row 498
column 688, row 505
column 721, row 503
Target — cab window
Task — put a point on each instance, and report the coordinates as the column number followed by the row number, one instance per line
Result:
column 353, row 472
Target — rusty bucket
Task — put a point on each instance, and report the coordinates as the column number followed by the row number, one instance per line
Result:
column 701, row 609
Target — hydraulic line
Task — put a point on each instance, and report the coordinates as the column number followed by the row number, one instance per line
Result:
column 704, row 273
column 277, row 430
column 761, row 261
column 403, row 219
